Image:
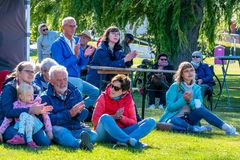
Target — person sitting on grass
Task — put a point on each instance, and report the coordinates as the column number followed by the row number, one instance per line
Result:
column 42, row 77
column 185, row 106
column 24, row 73
column 27, row 124
column 114, row 116
column 68, row 111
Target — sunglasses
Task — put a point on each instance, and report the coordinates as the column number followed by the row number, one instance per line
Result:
column 116, row 88
column 163, row 59
column 45, row 30
column 196, row 57
column 29, row 71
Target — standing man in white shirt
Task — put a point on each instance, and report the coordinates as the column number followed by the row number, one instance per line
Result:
column 66, row 51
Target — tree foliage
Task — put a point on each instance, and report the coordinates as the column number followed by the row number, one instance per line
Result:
column 174, row 25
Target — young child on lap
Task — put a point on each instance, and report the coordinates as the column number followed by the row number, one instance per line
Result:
column 27, row 124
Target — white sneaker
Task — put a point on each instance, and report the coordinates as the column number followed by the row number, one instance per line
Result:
column 152, row 106
column 161, row 106
column 232, row 131
column 206, row 128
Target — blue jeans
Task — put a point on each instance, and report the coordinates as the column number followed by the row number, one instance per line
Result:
column 108, row 130
column 86, row 89
column 82, row 115
column 70, row 138
column 181, row 124
column 40, row 137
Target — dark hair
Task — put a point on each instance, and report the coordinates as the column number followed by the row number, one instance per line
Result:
column 107, row 32
column 129, row 36
column 124, row 81
column 162, row 55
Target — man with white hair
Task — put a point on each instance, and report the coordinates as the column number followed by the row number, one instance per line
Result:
column 66, row 51
column 68, row 111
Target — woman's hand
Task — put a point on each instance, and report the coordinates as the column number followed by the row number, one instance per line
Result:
column 89, row 51
column 118, row 114
column 130, row 56
column 187, row 96
column 40, row 109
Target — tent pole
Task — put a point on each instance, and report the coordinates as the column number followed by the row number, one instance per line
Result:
column 27, row 20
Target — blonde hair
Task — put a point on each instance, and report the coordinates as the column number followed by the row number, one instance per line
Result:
column 67, row 19
column 178, row 76
column 24, row 88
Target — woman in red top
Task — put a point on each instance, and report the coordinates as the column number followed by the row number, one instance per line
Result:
column 114, row 117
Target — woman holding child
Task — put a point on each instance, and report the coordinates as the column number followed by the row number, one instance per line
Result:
column 184, row 108
column 24, row 73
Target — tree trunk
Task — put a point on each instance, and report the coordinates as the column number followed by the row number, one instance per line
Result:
column 192, row 34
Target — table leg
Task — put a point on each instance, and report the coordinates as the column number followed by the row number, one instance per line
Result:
column 225, row 80
column 144, row 93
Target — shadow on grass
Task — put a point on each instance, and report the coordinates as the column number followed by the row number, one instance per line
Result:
column 24, row 148
column 201, row 135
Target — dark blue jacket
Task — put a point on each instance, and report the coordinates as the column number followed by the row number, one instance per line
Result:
column 105, row 57
column 204, row 72
column 8, row 97
column 60, row 115
column 61, row 52
column 40, row 81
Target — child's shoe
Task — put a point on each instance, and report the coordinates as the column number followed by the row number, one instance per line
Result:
column 17, row 139
column 32, row 145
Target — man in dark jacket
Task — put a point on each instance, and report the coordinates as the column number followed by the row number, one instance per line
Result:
column 204, row 75
column 159, row 82
column 68, row 111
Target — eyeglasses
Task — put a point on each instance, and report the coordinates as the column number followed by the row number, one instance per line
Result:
column 28, row 71
column 116, row 88
column 163, row 59
column 196, row 57
column 46, row 29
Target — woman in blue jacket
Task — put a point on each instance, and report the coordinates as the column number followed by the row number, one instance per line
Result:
column 111, row 54
column 204, row 75
column 185, row 107
column 24, row 73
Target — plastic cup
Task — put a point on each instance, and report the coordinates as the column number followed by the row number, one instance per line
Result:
column 198, row 103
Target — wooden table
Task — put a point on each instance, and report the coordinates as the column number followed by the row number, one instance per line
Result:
column 225, row 74
column 128, row 71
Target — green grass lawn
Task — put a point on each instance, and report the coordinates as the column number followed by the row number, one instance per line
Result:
column 163, row 145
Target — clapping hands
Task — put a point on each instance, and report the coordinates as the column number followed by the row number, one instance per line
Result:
column 130, row 56
column 89, row 51
column 118, row 114
column 77, row 108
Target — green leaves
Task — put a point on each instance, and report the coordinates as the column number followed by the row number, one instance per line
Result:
column 174, row 25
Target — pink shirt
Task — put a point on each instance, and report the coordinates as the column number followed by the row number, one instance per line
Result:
column 18, row 104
